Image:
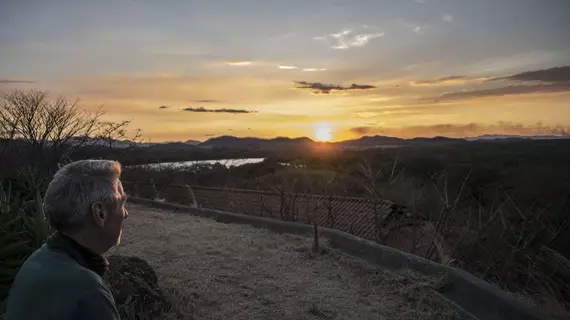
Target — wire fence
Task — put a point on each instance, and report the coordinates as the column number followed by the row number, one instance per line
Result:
column 380, row 221
column 349, row 214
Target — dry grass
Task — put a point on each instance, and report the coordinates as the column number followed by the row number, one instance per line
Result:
column 212, row 270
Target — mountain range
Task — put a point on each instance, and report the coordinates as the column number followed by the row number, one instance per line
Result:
column 253, row 143
column 363, row 142
column 515, row 137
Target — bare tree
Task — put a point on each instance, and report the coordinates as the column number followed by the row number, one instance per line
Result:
column 6, row 136
column 49, row 129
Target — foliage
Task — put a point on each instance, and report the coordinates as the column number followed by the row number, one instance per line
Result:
column 23, row 228
column 501, row 209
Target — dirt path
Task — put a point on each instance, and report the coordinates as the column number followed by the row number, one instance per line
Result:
column 226, row 271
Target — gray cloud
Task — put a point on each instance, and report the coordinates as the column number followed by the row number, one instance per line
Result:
column 207, row 101
column 505, row 91
column 15, row 81
column 362, row 130
column 452, row 80
column 349, row 38
column 321, row 88
column 420, row 29
column 466, row 130
column 447, row 18
column 202, row 109
column 551, row 75
column 355, row 86
column 558, row 74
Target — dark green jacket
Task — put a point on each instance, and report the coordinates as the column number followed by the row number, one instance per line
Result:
column 61, row 280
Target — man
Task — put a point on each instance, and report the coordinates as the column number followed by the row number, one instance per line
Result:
column 85, row 204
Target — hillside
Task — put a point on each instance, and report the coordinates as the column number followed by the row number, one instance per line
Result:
column 373, row 141
column 256, row 143
column 281, row 142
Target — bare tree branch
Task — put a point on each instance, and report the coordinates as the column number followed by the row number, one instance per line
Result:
column 51, row 129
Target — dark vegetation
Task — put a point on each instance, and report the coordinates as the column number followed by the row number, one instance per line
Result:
column 38, row 133
column 532, row 173
column 503, row 207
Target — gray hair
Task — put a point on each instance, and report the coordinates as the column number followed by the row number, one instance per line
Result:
column 76, row 186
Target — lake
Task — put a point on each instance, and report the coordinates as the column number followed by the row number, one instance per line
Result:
column 188, row 164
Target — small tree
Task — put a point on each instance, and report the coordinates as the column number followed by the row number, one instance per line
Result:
column 46, row 130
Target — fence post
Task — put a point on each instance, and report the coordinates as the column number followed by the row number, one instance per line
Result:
column 192, row 196
column 136, row 190
column 330, row 215
column 282, row 205
column 261, row 199
column 293, row 215
column 308, row 217
column 154, row 190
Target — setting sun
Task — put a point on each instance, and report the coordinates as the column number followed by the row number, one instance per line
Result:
column 323, row 134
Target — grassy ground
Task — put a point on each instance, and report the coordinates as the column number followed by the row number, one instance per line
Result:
column 213, row 270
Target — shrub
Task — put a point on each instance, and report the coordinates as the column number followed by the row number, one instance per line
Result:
column 23, row 228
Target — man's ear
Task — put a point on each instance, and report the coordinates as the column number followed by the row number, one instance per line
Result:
column 99, row 213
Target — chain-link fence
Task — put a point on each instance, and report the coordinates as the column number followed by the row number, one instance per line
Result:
column 349, row 214
column 382, row 221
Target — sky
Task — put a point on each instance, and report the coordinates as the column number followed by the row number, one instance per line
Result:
column 325, row 69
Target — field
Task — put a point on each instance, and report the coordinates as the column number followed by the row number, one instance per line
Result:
column 224, row 271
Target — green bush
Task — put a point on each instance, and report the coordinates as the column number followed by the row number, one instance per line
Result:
column 23, row 227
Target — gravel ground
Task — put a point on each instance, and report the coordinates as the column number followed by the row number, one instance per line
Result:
column 212, row 270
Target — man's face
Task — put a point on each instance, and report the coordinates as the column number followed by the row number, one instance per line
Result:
column 117, row 213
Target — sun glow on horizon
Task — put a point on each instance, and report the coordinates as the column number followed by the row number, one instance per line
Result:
column 323, row 134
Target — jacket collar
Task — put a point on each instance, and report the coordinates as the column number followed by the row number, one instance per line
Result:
column 85, row 257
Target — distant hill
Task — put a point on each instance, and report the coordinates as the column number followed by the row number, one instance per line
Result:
column 378, row 141
column 371, row 141
column 515, row 137
column 193, row 142
column 170, row 146
column 436, row 140
column 255, row 143
column 151, row 144
column 281, row 142
column 96, row 142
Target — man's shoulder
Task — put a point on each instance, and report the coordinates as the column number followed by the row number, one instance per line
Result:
column 57, row 267
column 57, row 285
